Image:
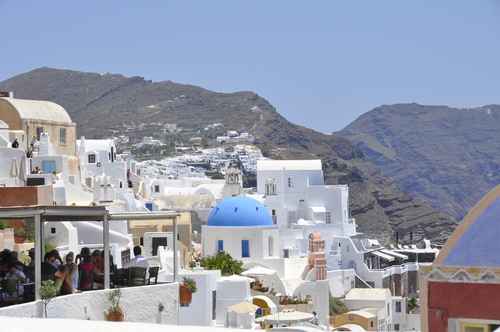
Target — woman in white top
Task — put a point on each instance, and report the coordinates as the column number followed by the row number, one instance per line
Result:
column 14, row 273
column 72, row 269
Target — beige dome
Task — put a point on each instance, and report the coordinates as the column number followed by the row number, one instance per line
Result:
column 36, row 109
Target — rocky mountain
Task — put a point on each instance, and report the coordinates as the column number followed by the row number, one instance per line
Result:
column 103, row 105
column 447, row 157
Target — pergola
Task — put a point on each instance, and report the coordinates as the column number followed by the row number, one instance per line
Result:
column 54, row 213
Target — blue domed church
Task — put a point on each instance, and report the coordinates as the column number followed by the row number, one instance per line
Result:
column 243, row 227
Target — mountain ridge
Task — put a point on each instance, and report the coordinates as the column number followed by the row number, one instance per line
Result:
column 101, row 104
column 444, row 156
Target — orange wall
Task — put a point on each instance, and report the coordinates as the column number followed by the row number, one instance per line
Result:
column 24, row 196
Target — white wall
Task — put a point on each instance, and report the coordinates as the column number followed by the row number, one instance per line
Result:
column 199, row 311
column 93, row 304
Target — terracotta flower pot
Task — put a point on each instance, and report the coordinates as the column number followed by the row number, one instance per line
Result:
column 19, row 237
column 115, row 316
column 185, row 295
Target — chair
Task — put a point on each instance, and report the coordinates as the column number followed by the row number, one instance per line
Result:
column 137, row 276
column 10, row 291
column 120, row 277
column 85, row 276
column 153, row 273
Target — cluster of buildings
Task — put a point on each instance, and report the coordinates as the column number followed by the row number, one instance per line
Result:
column 293, row 233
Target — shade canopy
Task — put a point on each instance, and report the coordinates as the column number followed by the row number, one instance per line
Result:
column 290, row 317
column 243, row 307
column 258, row 271
column 14, row 169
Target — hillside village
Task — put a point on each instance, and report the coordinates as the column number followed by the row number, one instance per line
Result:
column 294, row 235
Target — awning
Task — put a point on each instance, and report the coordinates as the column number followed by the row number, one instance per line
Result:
column 292, row 317
column 393, row 253
column 269, row 303
column 386, row 257
column 258, row 271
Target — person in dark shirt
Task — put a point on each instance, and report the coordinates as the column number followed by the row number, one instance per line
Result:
column 61, row 276
column 15, row 144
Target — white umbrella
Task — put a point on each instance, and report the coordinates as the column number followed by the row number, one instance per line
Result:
column 243, row 307
column 258, row 271
column 14, row 169
column 22, row 169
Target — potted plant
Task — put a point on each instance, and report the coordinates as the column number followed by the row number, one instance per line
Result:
column 47, row 292
column 187, row 288
column 115, row 313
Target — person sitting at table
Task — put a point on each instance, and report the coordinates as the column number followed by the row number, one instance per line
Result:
column 5, row 259
column 30, row 269
column 84, row 253
column 140, row 261
column 15, row 259
column 61, row 276
column 98, row 261
column 89, row 266
column 58, row 261
column 16, row 274
column 72, row 269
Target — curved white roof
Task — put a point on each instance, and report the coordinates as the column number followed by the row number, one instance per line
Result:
column 36, row 109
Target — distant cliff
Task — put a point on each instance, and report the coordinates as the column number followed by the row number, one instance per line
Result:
column 101, row 104
column 446, row 157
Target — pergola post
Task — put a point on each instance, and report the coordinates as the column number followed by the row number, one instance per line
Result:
column 105, row 240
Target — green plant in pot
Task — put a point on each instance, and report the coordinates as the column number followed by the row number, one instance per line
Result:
column 115, row 313
column 189, row 284
column 187, row 288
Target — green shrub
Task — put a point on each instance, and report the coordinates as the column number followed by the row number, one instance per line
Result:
column 224, row 262
column 336, row 306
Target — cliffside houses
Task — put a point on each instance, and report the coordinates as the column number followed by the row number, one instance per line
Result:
column 291, row 223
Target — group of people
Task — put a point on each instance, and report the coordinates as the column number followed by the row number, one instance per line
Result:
column 66, row 273
column 12, row 268
column 34, row 139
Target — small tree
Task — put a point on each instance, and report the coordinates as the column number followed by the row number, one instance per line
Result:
column 412, row 304
column 47, row 292
column 224, row 262
column 114, row 297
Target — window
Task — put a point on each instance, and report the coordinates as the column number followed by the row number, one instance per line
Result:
column 398, row 306
column 396, row 327
column 220, row 244
column 291, row 182
column 351, row 317
column 91, row 158
column 328, row 217
column 62, row 135
column 245, row 248
column 270, row 246
column 157, row 188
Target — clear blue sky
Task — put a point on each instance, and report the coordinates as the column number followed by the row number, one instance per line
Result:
column 320, row 63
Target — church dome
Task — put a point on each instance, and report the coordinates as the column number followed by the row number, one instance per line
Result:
column 239, row 211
